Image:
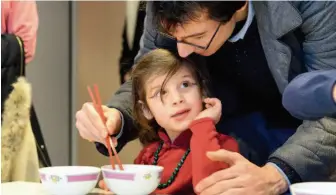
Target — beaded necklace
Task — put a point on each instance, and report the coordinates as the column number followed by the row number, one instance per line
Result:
column 177, row 169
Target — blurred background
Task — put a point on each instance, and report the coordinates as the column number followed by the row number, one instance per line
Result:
column 78, row 44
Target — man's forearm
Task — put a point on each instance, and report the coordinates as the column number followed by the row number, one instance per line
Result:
column 312, row 147
column 277, row 178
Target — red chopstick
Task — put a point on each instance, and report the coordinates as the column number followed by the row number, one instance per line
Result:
column 98, row 106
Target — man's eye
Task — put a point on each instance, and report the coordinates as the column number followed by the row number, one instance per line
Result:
column 198, row 38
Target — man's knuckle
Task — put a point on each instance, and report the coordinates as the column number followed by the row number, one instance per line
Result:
column 237, row 155
column 86, row 106
column 217, row 176
column 77, row 125
column 78, row 114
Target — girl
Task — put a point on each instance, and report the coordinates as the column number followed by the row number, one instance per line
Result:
column 175, row 126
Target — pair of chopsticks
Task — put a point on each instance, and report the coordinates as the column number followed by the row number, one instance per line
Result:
column 98, row 106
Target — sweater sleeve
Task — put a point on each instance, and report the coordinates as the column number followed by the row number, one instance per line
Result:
column 205, row 138
column 310, row 95
column 23, row 22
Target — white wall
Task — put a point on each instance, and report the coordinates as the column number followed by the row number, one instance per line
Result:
column 49, row 74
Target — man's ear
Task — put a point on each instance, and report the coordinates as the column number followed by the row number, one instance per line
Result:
column 146, row 112
column 238, row 14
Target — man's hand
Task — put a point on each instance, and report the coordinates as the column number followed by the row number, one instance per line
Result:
column 241, row 178
column 91, row 127
column 213, row 109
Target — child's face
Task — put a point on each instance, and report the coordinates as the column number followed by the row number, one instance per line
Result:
column 181, row 100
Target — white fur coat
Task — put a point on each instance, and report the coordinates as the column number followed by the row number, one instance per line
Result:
column 19, row 160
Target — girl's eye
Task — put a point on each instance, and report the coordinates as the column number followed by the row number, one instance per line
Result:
column 185, row 84
column 160, row 93
column 163, row 92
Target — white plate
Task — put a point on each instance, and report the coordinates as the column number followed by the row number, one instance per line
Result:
column 30, row 188
column 314, row 188
column 22, row 188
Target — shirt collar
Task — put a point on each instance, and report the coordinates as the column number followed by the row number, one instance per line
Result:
column 242, row 32
column 181, row 141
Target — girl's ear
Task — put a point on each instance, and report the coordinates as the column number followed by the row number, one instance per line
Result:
column 146, row 112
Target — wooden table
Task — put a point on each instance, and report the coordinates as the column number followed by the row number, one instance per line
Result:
column 24, row 188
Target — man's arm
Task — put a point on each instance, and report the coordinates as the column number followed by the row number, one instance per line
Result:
column 122, row 99
column 310, row 96
column 310, row 153
column 23, row 22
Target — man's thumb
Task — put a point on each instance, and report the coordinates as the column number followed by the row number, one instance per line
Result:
column 113, row 122
column 111, row 125
column 226, row 156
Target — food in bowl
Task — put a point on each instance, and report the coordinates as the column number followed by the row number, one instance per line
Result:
column 69, row 180
column 313, row 188
column 133, row 180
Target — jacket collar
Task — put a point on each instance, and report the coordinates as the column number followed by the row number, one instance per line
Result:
column 277, row 17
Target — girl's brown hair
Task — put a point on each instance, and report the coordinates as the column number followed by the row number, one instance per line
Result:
column 159, row 62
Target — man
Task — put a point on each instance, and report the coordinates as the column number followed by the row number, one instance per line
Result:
column 252, row 50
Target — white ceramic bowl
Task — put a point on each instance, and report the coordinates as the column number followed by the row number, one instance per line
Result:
column 314, row 188
column 69, row 180
column 133, row 180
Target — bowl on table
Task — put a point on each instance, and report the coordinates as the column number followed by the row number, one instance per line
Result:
column 313, row 188
column 69, row 180
column 133, row 180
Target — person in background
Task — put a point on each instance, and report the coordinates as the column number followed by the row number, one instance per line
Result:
column 131, row 37
column 20, row 18
column 19, row 156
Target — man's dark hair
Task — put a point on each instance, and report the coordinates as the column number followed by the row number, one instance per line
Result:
column 168, row 14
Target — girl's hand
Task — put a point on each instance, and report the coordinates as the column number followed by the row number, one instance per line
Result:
column 102, row 185
column 213, row 109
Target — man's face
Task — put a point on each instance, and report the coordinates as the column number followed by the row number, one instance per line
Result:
column 200, row 33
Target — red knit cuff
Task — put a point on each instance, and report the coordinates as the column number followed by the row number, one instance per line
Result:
column 204, row 125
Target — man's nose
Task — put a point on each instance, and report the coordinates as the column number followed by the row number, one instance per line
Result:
column 185, row 50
